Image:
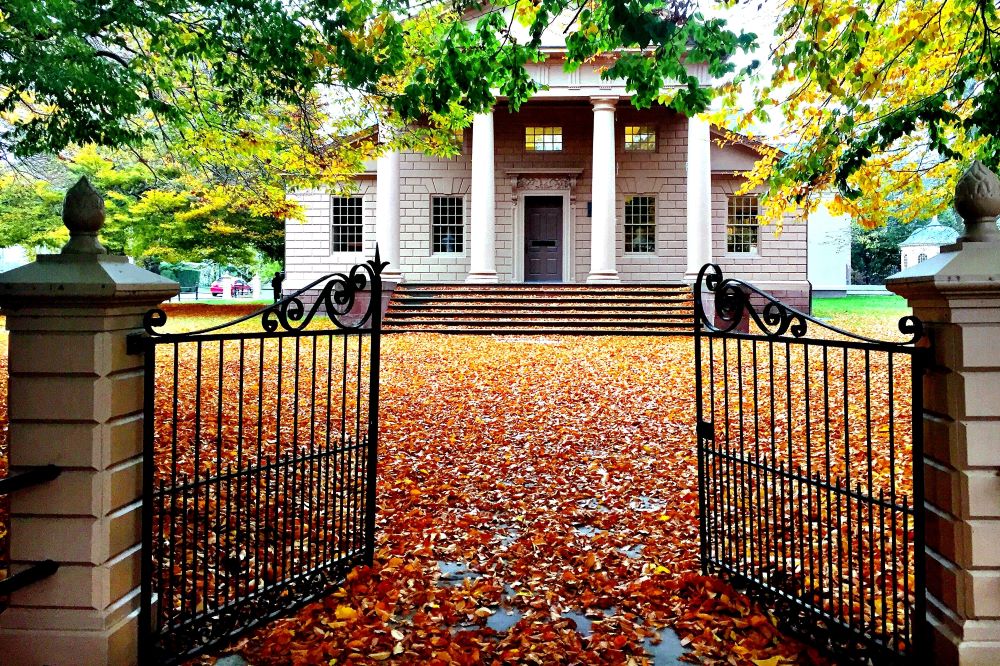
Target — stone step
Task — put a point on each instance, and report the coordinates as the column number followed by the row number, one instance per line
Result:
column 560, row 308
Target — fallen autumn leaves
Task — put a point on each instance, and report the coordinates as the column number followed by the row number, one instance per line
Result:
column 562, row 473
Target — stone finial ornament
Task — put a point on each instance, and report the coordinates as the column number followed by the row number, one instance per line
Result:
column 83, row 215
column 977, row 200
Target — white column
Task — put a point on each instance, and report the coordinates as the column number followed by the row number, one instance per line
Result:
column 699, row 197
column 483, row 244
column 602, row 221
column 387, row 213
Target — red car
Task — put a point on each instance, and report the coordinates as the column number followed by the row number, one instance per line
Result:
column 240, row 288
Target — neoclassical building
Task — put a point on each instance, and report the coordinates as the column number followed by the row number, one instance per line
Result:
column 576, row 186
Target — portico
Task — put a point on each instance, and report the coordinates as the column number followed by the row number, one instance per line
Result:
column 583, row 180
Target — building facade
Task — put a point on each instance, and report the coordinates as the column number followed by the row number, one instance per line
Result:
column 576, row 186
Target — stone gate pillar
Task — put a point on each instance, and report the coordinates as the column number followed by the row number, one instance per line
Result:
column 957, row 295
column 75, row 400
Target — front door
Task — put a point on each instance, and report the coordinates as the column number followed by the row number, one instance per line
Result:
column 543, row 231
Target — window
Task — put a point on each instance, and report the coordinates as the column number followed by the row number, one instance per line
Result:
column 543, row 139
column 640, row 224
column 346, row 224
column 741, row 225
column 640, row 137
column 921, row 257
column 447, row 224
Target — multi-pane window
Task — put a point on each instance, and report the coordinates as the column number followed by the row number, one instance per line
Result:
column 346, row 224
column 543, row 139
column 640, row 137
column 640, row 224
column 741, row 225
column 447, row 224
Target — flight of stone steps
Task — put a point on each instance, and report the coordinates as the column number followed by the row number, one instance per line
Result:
column 655, row 309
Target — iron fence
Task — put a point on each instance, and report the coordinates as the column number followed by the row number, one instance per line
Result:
column 260, row 454
column 809, row 454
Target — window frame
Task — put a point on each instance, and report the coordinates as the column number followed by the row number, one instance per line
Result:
column 641, row 147
column 460, row 226
column 651, row 224
column 735, row 221
column 360, row 203
column 533, row 147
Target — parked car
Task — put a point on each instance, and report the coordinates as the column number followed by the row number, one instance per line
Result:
column 240, row 288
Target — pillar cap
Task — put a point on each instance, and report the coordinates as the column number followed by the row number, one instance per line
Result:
column 84, row 275
column 971, row 266
column 82, row 281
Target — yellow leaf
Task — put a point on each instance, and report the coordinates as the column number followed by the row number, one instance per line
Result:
column 773, row 661
column 346, row 613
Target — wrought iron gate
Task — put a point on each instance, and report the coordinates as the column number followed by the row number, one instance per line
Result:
column 810, row 481
column 259, row 470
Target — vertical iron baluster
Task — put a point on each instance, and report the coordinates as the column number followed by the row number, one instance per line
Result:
column 744, row 524
column 296, row 505
column 847, row 484
column 771, row 517
column 699, row 406
column 342, row 495
column 826, row 576
column 912, row 635
column 807, row 417
column 241, row 503
column 882, row 634
column 259, row 544
column 173, row 479
column 328, row 453
column 892, row 482
column 760, row 494
column 728, row 525
column 359, row 458
column 711, row 447
column 196, row 546
column 839, row 580
column 311, row 515
column 228, row 561
column 861, row 557
column 218, row 477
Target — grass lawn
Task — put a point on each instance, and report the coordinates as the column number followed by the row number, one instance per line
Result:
column 870, row 306
column 537, row 504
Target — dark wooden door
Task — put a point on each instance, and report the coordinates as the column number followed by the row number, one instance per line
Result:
column 543, row 241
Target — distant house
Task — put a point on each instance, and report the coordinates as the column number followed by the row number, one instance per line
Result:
column 925, row 243
column 576, row 186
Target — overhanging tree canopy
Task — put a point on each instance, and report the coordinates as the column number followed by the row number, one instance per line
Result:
column 118, row 74
column 883, row 100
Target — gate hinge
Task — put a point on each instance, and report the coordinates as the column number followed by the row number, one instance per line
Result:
column 135, row 344
column 706, row 430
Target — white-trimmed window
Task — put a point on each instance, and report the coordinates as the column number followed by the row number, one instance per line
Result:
column 543, row 139
column 640, row 225
column 640, row 138
column 742, row 226
column 346, row 224
column 447, row 224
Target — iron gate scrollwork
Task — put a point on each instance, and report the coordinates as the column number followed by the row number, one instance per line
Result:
column 809, row 465
column 259, row 462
